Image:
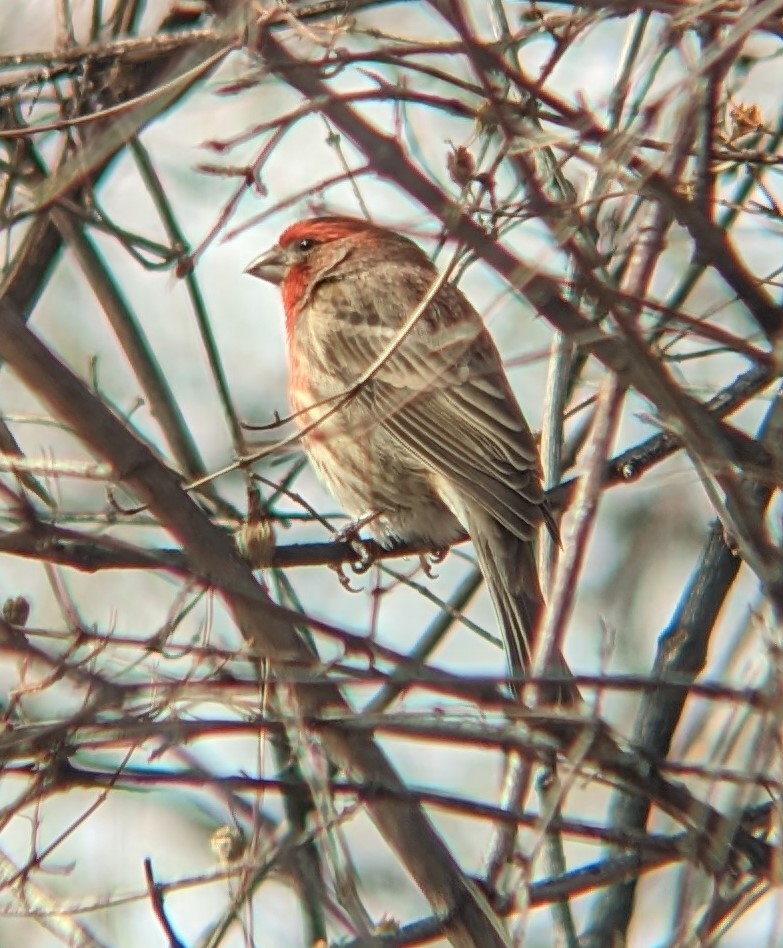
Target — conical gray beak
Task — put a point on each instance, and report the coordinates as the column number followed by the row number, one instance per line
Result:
column 270, row 266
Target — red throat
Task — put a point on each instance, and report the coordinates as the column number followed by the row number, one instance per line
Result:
column 294, row 290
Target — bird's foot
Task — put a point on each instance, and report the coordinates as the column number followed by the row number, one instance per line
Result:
column 350, row 534
column 432, row 558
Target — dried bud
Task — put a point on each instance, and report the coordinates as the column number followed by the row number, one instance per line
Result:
column 685, row 189
column 228, row 843
column 487, row 117
column 461, row 165
column 255, row 539
column 184, row 266
column 16, row 611
column 742, row 119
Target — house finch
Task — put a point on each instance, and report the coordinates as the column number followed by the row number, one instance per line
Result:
column 408, row 416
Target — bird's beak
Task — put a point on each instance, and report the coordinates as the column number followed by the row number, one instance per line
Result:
column 270, row 266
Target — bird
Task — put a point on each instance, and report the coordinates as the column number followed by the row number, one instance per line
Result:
column 406, row 412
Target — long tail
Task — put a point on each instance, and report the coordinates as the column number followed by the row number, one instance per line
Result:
column 508, row 565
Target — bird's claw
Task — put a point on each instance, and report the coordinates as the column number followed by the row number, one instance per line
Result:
column 433, row 558
column 344, row 579
column 350, row 534
column 365, row 557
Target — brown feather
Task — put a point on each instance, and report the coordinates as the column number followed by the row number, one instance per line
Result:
column 434, row 440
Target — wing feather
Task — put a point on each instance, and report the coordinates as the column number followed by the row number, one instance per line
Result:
column 443, row 396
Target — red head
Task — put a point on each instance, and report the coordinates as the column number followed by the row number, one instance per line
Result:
column 309, row 250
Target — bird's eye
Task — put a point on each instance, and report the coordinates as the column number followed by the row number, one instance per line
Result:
column 306, row 243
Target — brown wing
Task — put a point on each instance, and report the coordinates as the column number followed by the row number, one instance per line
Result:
column 442, row 394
